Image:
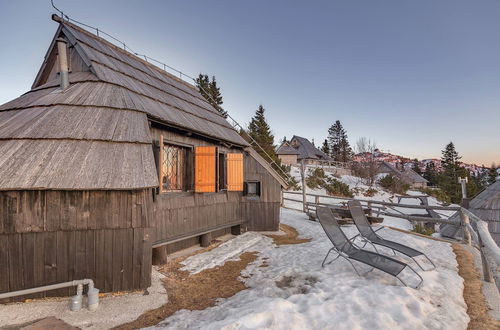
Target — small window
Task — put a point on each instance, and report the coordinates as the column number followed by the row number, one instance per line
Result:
column 252, row 188
column 174, row 168
column 221, row 172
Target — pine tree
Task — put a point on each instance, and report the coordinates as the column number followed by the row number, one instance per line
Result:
column 492, row 174
column 450, row 158
column 260, row 131
column 416, row 167
column 430, row 174
column 211, row 92
column 448, row 179
column 340, row 150
column 325, row 147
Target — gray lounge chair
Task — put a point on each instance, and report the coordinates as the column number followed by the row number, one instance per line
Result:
column 347, row 250
column 367, row 233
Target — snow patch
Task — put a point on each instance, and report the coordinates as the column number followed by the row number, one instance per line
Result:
column 295, row 292
column 229, row 250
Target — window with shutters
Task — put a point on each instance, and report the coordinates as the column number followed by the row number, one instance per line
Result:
column 234, row 172
column 174, row 168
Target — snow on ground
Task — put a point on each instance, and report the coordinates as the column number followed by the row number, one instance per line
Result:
column 295, row 292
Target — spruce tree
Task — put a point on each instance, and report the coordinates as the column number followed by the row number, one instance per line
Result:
column 340, row 150
column 416, row 167
column 430, row 174
column 211, row 92
column 492, row 174
column 260, row 131
column 325, row 147
column 448, row 179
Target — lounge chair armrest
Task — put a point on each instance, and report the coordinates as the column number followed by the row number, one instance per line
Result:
column 354, row 237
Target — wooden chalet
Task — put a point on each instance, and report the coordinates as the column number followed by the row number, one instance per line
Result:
column 298, row 149
column 108, row 158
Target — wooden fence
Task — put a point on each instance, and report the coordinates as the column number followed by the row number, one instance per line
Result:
column 475, row 230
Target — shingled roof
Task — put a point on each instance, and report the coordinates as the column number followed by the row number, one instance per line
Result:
column 286, row 149
column 307, row 150
column 95, row 134
column 485, row 205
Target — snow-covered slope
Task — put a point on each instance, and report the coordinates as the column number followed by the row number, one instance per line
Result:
column 360, row 189
column 295, row 292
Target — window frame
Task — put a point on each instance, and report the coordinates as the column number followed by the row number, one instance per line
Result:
column 258, row 193
column 221, row 175
column 188, row 166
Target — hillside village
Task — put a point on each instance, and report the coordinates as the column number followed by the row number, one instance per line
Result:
column 130, row 198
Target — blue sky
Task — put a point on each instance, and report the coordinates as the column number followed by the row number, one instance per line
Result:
column 410, row 75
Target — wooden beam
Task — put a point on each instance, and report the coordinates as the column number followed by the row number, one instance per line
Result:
column 205, row 239
column 160, row 174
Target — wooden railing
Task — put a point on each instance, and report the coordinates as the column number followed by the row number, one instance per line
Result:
column 475, row 230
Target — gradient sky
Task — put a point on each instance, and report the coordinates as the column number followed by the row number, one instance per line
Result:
column 410, row 75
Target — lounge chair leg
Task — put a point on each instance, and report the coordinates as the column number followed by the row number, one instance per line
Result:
column 420, row 277
column 400, row 280
column 433, row 265
column 323, row 263
column 419, row 265
column 353, row 266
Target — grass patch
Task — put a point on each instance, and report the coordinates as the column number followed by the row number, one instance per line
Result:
column 421, row 229
column 197, row 291
column 291, row 236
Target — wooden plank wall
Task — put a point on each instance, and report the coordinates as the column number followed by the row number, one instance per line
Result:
column 178, row 214
column 262, row 213
column 49, row 237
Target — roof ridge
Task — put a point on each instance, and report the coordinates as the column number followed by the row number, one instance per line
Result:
column 197, row 95
column 92, row 35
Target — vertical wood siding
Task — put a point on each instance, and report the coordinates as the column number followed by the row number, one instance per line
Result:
column 49, row 237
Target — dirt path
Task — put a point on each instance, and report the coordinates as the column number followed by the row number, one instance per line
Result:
column 477, row 308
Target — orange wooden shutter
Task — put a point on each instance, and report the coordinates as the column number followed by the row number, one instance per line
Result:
column 235, row 172
column 204, row 169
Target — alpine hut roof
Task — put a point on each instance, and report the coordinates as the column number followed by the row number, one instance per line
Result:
column 95, row 134
column 286, row 149
column 486, row 205
column 407, row 175
column 307, row 150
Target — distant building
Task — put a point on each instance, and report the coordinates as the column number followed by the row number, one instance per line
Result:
column 287, row 154
column 406, row 175
column 298, row 148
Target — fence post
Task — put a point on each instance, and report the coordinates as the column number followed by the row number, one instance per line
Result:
column 303, row 177
column 465, row 222
column 316, row 200
column 486, row 268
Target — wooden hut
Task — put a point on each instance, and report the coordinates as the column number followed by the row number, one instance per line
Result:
column 407, row 175
column 108, row 157
column 485, row 205
column 298, row 149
